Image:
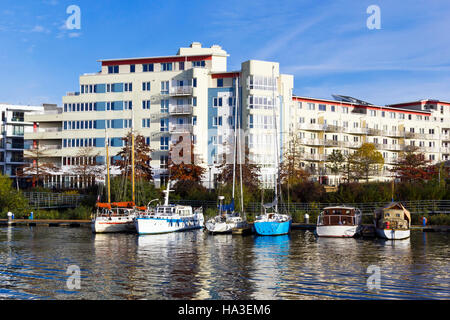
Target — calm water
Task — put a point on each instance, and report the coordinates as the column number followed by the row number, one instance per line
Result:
column 195, row 265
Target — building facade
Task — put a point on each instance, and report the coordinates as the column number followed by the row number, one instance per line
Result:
column 12, row 143
column 191, row 97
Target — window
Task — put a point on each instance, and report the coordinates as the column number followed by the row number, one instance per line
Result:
column 165, row 106
column 217, row 121
column 194, row 82
column 164, row 87
column 128, row 105
column 181, row 65
column 167, row 66
column 164, row 125
column 163, row 162
column 145, row 104
column 333, row 108
column 146, row 123
column 299, row 104
column 311, row 106
column 199, row 64
column 132, row 68
column 128, row 86
column 113, row 69
column 217, row 102
column 164, row 143
column 146, row 86
column 344, row 109
column 147, row 67
column 219, row 82
column 322, row 107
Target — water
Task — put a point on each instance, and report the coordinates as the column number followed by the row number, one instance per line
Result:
column 195, row 265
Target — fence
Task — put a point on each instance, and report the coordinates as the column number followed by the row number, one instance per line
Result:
column 367, row 208
column 48, row 200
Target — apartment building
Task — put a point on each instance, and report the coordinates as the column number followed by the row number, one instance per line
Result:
column 326, row 125
column 191, row 97
column 12, row 143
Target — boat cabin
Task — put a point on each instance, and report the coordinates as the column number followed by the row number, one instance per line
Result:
column 393, row 216
column 335, row 216
column 173, row 210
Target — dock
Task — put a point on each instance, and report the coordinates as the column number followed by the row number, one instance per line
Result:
column 45, row 223
column 436, row 229
column 303, row 226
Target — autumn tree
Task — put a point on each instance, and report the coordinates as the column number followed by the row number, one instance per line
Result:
column 412, row 166
column 250, row 171
column 185, row 168
column 142, row 158
column 366, row 161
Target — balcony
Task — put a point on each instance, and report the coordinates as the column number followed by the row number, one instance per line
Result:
column 311, row 127
column 184, row 109
column 311, row 142
column 374, row 132
column 314, row 157
column 356, row 130
column 181, row 91
column 392, row 147
column 180, row 128
column 44, row 133
column 394, row 133
column 332, row 128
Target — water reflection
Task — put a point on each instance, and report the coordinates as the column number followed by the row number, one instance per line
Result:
column 195, row 265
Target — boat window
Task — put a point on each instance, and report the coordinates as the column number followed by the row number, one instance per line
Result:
column 398, row 214
column 387, row 215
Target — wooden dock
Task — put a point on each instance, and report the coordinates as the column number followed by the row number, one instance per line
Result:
column 436, row 229
column 46, row 223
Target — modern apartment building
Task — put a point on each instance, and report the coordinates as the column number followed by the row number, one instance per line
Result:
column 191, row 97
column 12, row 144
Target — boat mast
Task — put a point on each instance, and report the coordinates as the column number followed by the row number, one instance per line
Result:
column 107, row 168
column 240, row 145
column 132, row 159
column 235, row 141
column 276, row 139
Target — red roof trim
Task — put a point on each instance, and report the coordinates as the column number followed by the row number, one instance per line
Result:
column 155, row 60
column 225, row 75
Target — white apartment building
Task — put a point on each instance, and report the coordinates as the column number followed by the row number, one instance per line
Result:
column 192, row 95
column 12, row 144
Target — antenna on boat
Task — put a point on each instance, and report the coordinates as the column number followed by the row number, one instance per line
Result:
column 107, row 167
column 132, row 158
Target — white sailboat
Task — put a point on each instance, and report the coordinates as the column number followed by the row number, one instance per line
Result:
column 114, row 217
column 227, row 218
column 169, row 218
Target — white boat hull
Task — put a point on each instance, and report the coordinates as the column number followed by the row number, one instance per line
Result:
column 113, row 225
column 224, row 227
column 156, row 225
column 340, row 231
column 392, row 234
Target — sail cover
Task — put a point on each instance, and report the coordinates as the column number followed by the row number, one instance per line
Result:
column 227, row 207
column 271, row 205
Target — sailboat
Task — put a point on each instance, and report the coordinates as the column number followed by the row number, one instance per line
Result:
column 271, row 222
column 169, row 218
column 115, row 216
column 227, row 218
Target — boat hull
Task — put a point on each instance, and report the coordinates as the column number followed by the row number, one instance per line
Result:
column 272, row 228
column 112, row 226
column 154, row 225
column 223, row 227
column 392, row 234
column 336, row 231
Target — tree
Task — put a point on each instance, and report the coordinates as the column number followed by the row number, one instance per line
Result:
column 10, row 198
column 366, row 161
column 87, row 170
column 413, row 166
column 250, row 172
column 291, row 171
column 37, row 169
column 185, row 167
column 336, row 162
column 142, row 158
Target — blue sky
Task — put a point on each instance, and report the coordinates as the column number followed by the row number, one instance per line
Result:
column 326, row 45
